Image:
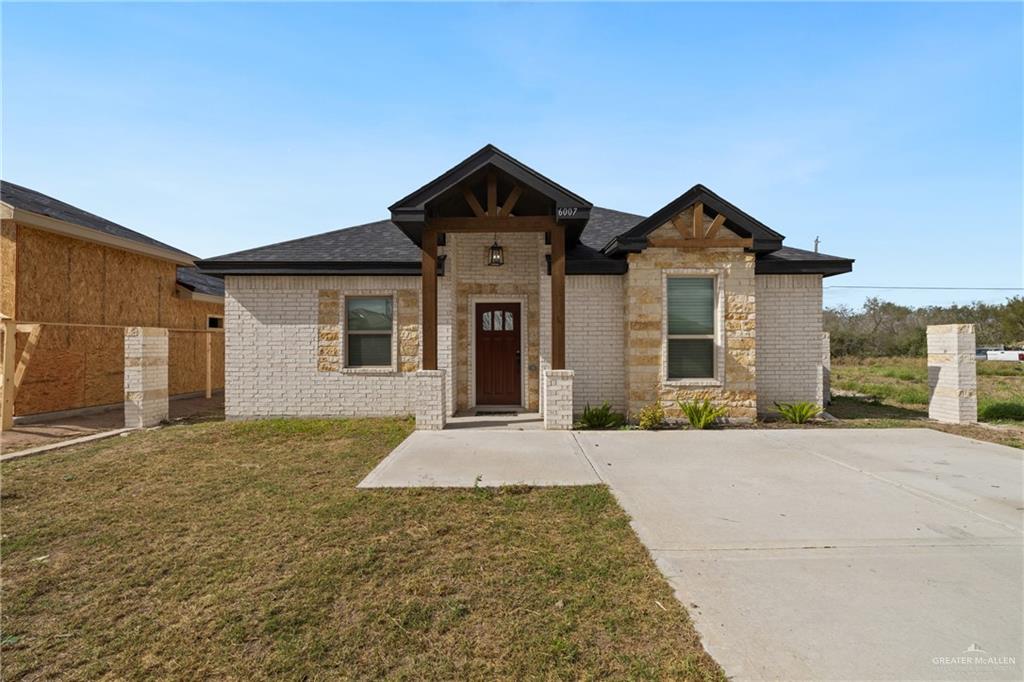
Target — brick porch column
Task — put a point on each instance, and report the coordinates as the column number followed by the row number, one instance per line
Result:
column 431, row 406
column 558, row 399
column 952, row 374
column 145, row 377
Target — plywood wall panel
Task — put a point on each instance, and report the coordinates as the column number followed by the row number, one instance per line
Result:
column 59, row 279
column 8, row 265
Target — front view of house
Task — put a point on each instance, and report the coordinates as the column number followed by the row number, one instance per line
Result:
column 492, row 287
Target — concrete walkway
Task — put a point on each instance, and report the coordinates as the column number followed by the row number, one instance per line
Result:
column 833, row 554
column 484, row 457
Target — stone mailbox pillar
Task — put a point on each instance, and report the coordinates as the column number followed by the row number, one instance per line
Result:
column 145, row 377
column 952, row 374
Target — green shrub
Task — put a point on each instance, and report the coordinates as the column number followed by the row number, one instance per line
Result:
column 996, row 411
column 798, row 413
column 701, row 413
column 602, row 417
column 651, row 416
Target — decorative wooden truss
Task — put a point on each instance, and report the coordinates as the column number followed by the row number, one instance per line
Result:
column 693, row 234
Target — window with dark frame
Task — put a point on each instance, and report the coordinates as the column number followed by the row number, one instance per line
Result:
column 214, row 322
column 691, row 327
column 368, row 328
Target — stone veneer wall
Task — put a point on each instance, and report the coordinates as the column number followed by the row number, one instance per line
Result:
column 952, row 374
column 285, row 348
column 470, row 277
column 789, row 340
column 594, row 337
column 646, row 344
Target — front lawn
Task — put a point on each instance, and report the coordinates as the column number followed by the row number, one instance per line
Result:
column 242, row 550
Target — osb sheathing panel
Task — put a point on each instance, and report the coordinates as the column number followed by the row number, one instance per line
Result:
column 8, row 258
column 66, row 280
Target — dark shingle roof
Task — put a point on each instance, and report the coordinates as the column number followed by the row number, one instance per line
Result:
column 383, row 241
column 36, row 202
column 370, row 242
column 789, row 260
column 360, row 248
column 193, row 280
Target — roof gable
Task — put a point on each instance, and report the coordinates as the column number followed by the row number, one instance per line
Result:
column 39, row 204
column 740, row 222
column 446, row 194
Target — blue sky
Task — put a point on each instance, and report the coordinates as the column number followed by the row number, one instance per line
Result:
column 893, row 131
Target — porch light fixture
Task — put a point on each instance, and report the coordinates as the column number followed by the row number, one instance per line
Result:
column 497, row 254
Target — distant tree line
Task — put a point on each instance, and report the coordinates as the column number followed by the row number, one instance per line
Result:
column 882, row 328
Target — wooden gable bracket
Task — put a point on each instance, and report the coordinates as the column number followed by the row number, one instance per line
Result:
column 694, row 236
column 510, row 201
column 492, row 194
column 478, row 210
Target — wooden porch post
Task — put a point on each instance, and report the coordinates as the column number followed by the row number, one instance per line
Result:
column 558, row 297
column 428, row 298
column 7, row 378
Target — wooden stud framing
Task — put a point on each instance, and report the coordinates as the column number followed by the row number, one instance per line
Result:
column 510, row 201
column 34, row 332
column 478, row 210
column 209, row 365
column 698, row 221
column 558, row 298
column 428, row 298
column 7, row 376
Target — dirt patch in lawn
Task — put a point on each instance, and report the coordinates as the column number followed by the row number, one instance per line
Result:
column 241, row 550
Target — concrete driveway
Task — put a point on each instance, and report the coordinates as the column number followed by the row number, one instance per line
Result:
column 833, row 554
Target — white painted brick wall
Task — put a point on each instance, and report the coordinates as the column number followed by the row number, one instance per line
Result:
column 789, row 343
column 594, row 337
column 270, row 327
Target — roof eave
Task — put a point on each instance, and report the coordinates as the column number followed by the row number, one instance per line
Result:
column 825, row 268
column 218, row 268
column 42, row 222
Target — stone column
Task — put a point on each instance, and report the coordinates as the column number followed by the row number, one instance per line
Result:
column 952, row 374
column 826, row 369
column 558, row 399
column 145, row 377
column 431, row 406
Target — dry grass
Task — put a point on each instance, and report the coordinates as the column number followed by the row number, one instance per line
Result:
column 903, row 383
column 242, row 550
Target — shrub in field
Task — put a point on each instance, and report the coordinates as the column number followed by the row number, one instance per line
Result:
column 602, row 417
column 996, row 411
column 651, row 416
column 701, row 413
column 798, row 413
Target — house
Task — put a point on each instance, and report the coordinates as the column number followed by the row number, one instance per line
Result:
column 73, row 280
column 493, row 287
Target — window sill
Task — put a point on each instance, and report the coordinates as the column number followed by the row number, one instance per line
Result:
column 369, row 370
column 692, row 383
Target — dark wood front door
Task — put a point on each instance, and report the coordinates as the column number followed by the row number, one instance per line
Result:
column 498, row 369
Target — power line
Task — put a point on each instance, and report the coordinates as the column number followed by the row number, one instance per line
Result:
column 847, row 286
